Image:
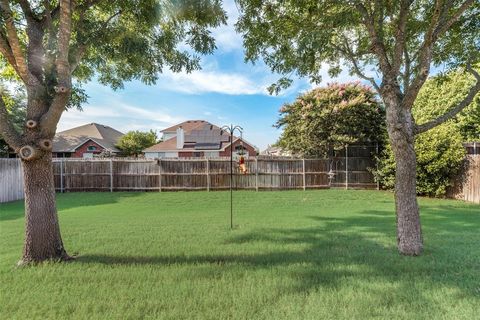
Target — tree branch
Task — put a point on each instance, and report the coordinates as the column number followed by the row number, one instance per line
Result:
column 14, row 42
column 424, row 57
column 407, row 72
column 351, row 56
column 435, row 29
column 6, row 51
column 377, row 44
column 7, row 131
column 453, row 112
column 82, row 48
column 64, row 35
column 49, row 120
column 443, row 27
column 400, row 35
column 27, row 11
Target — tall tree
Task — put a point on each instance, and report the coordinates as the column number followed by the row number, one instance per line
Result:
column 400, row 40
column 134, row 142
column 53, row 46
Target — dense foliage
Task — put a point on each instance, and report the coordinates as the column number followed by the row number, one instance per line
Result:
column 304, row 37
column 134, row 142
column 16, row 108
column 440, row 151
column 329, row 118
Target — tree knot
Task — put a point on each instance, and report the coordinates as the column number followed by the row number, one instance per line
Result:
column 28, row 153
column 31, row 124
column 46, row 144
column 61, row 89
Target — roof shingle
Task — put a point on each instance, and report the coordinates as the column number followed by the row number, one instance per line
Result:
column 69, row 140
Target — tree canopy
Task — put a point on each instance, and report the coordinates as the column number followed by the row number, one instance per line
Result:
column 400, row 39
column 134, row 142
column 329, row 118
column 53, row 47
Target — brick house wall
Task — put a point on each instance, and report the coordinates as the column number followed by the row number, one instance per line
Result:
column 84, row 149
column 185, row 154
column 248, row 148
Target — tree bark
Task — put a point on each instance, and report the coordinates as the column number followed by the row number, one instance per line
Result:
column 400, row 126
column 42, row 231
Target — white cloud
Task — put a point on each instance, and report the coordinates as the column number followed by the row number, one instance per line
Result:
column 204, row 81
column 120, row 116
column 226, row 38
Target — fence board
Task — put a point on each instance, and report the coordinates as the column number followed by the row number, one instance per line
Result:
column 11, row 180
column 471, row 185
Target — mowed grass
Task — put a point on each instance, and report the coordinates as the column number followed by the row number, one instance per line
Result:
column 327, row 254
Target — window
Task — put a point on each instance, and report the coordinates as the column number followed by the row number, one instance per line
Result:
column 91, row 148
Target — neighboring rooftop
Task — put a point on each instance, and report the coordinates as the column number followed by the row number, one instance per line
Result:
column 199, row 135
column 69, row 140
column 186, row 125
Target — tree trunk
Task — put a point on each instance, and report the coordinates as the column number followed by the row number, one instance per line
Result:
column 401, row 133
column 42, row 231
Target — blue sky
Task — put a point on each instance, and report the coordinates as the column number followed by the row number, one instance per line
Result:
column 225, row 91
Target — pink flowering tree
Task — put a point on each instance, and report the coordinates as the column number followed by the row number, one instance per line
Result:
column 331, row 117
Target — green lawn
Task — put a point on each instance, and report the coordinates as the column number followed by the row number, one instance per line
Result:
column 325, row 254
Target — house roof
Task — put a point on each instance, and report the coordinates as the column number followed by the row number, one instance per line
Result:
column 171, row 145
column 70, row 140
column 186, row 125
column 200, row 135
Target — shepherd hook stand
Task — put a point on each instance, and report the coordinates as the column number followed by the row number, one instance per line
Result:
column 231, row 129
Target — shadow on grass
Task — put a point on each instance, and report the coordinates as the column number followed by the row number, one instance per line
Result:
column 347, row 251
column 65, row 201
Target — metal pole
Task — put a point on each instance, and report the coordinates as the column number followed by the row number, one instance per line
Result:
column 346, row 167
column 256, row 173
column 61, row 175
column 378, row 181
column 159, row 175
column 231, row 178
column 65, row 176
column 208, row 175
column 303, row 165
column 111, row 175
column 231, row 129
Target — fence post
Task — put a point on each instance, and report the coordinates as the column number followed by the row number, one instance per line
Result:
column 346, row 167
column 159, row 175
column 61, row 175
column 378, row 181
column 111, row 175
column 208, row 175
column 256, row 173
column 474, row 148
column 303, row 166
column 65, row 176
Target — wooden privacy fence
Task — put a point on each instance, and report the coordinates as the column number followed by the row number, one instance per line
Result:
column 471, row 184
column 213, row 174
column 209, row 174
column 11, row 180
column 350, row 168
